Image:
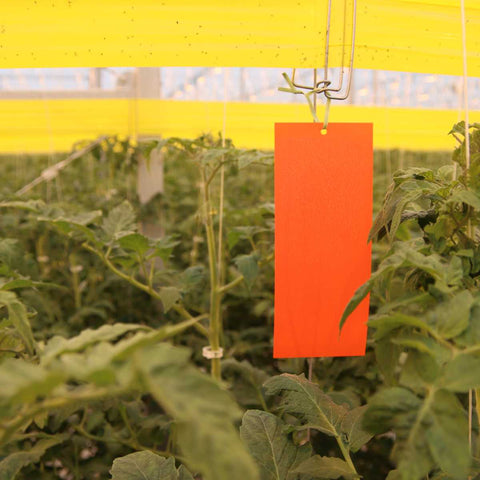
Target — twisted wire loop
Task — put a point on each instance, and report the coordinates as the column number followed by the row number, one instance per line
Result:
column 324, row 85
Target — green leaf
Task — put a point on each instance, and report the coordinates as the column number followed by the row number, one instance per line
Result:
column 68, row 224
column 13, row 463
column 204, row 414
column 10, row 252
column 24, row 382
column 398, row 409
column 430, row 431
column 135, row 242
column 326, row 467
column 120, row 222
column 248, row 266
column 451, row 318
column 29, row 205
column 271, row 447
column 423, row 344
column 389, row 407
column 386, row 323
column 163, row 247
column 18, row 317
column 465, row 196
column 355, row 301
column 447, row 435
column 305, row 400
column 144, row 466
column 394, row 475
column 462, row 373
column 247, row 381
column 184, row 474
column 419, row 371
column 352, row 427
column 59, row 345
column 169, row 296
column 387, row 355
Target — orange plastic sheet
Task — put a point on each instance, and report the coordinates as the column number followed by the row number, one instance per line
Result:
column 323, row 212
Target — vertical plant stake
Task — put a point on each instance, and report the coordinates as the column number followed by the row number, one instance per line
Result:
column 323, row 213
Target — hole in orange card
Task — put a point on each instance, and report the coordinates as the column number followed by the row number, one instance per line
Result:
column 323, row 213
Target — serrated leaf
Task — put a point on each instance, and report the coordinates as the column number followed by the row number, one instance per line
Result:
column 144, row 466
column 119, row 222
column 203, row 412
column 423, row 344
column 184, row 474
column 465, row 196
column 247, row 381
column 451, row 318
column 59, row 345
column 398, row 408
column 73, row 223
column 462, row 373
column 247, row 157
column 13, row 463
column 135, row 242
column 29, row 205
column 270, row 446
column 419, row 371
column 193, row 277
column 352, row 427
column 326, row 467
column 305, row 400
column 17, row 315
column 447, row 435
column 389, row 407
column 248, row 266
column 163, row 247
column 386, row 323
column 430, row 430
column 10, row 251
column 24, row 382
column 169, row 296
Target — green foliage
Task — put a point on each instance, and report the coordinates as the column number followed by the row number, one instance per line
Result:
column 426, row 290
column 270, row 445
column 326, row 467
column 147, row 466
column 13, row 463
column 89, row 299
column 317, row 410
column 69, row 365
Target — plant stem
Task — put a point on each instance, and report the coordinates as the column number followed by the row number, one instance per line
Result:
column 146, row 288
column 231, row 285
column 346, row 454
column 215, row 294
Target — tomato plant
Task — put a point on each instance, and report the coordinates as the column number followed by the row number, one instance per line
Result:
column 102, row 328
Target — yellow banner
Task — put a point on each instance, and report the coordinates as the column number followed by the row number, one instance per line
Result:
column 28, row 126
column 402, row 35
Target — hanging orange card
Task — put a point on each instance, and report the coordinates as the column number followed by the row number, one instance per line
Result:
column 323, row 213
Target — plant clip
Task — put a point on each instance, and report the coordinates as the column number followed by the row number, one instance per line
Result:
column 207, row 352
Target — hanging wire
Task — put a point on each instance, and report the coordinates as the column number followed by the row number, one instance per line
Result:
column 465, row 86
column 331, row 92
column 467, row 167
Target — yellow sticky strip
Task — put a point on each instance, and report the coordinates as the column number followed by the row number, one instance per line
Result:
column 402, row 35
column 28, row 126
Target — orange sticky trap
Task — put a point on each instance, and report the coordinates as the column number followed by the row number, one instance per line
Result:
column 323, row 213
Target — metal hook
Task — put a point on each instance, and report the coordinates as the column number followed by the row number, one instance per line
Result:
column 325, row 85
